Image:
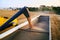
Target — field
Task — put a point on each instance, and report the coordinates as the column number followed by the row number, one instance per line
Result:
column 54, row 20
column 10, row 13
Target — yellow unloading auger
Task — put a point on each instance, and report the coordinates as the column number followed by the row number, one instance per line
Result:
column 8, row 22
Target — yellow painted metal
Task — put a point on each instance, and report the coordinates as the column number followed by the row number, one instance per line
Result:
column 3, row 20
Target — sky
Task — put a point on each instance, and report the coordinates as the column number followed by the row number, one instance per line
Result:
column 28, row 3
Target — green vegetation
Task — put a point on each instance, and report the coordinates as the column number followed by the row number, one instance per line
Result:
column 56, row 9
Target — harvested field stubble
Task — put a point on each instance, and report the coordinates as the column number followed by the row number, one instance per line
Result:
column 55, row 25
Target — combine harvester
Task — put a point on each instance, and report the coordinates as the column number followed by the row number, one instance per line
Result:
column 28, row 34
